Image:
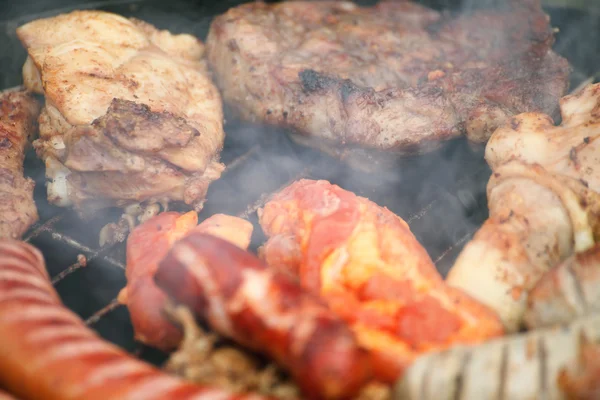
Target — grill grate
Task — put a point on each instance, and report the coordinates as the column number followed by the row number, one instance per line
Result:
column 440, row 195
column 261, row 161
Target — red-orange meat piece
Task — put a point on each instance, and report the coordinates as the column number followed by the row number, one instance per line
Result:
column 365, row 262
column 147, row 245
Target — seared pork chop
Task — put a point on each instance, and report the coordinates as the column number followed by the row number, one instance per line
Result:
column 397, row 76
column 130, row 115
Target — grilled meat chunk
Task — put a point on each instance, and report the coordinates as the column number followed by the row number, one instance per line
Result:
column 566, row 292
column 18, row 114
column 397, row 76
column 365, row 262
column 544, row 202
column 541, row 364
column 130, row 116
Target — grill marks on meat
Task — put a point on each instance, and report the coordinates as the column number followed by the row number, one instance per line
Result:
column 130, row 115
column 18, row 113
column 397, row 76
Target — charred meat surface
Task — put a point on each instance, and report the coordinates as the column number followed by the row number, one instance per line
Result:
column 131, row 115
column 397, row 76
column 543, row 200
column 364, row 261
column 18, row 114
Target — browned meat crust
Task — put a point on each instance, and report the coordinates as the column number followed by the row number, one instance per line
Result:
column 18, row 114
column 396, row 76
column 130, row 116
column 123, row 156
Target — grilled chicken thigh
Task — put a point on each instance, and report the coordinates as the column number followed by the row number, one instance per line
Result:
column 18, row 114
column 130, row 115
column 544, row 202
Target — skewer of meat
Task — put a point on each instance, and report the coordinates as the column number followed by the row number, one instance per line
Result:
column 146, row 246
column 48, row 352
column 365, row 262
column 566, row 292
column 544, row 202
column 265, row 310
column 544, row 364
column 18, row 115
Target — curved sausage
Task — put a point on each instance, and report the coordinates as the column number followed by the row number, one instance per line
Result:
column 267, row 311
column 47, row 352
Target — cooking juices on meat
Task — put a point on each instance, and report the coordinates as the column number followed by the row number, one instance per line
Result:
column 366, row 264
column 146, row 246
column 544, row 205
column 130, row 114
column 18, row 114
column 397, row 77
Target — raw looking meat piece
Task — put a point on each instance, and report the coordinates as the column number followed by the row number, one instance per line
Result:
column 370, row 269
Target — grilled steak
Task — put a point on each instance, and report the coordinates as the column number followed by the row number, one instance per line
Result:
column 130, row 115
column 18, row 112
column 397, row 76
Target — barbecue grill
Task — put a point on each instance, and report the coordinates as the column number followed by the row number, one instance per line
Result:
column 441, row 195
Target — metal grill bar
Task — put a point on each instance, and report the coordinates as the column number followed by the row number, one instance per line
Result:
column 43, row 227
column 114, row 304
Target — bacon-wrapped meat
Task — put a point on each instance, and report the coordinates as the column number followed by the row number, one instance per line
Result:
column 364, row 261
column 146, row 246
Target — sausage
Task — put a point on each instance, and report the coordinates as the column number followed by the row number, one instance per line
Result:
column 372, row 271
column 543, row 364
column 566, row 292
column 146, row 246
column 47, row 352
column 265, row 310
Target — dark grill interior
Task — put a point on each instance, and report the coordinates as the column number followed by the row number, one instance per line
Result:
column 440, row 195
